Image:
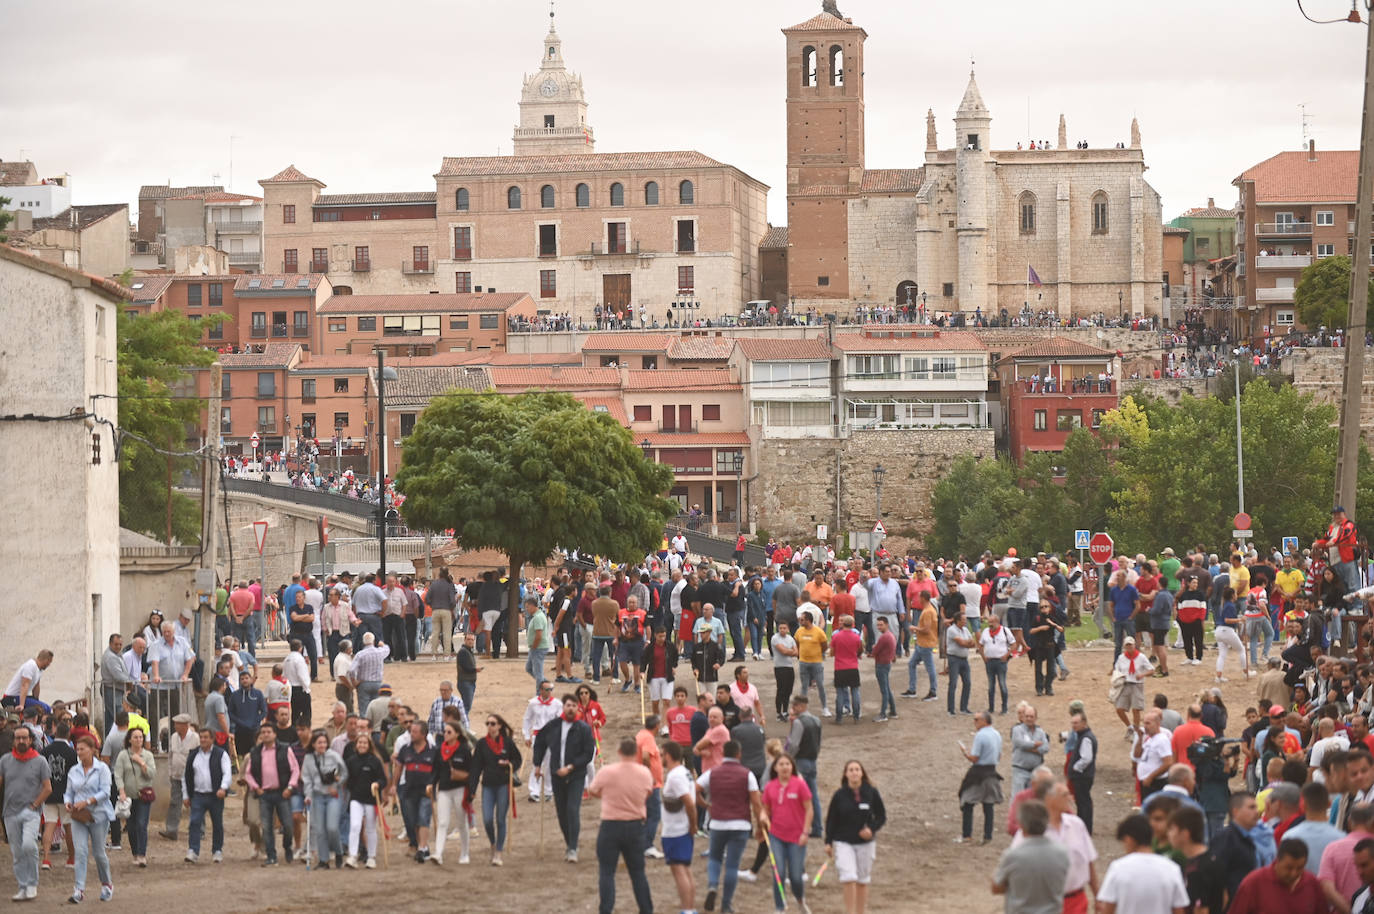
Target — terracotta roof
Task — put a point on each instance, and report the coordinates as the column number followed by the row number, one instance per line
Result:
column 701, row 348
column 423, row 303
column 681, row 379
column 775, row 237
column 83, row 216
column 274, row 355
column 667, row 440
column 216, row 196
column 244, row 284
column 1058, row 347
column 289, row 175
column 609, row 405
column 163, row 191
column 786, row 350
column 627, row 342
column 78, row 279
column 822, row 22
column 1177, row 230
column 148, row 289
column 454, row 166
column 528, row 359
column 1209, row 212
column 419, row 196
column 417, row 386
column 554, row 377
column 892, row 180
column 944, row 341
column 356, row 362
column 1290, row 177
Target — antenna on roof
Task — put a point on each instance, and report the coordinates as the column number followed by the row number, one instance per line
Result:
column 1306, row 119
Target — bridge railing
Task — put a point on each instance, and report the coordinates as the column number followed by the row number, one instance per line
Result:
column 326, row 502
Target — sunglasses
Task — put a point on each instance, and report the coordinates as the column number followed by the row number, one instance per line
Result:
column 492, row 723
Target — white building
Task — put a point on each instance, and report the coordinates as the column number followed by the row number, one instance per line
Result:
column 42, row 198
column 901, row 377
column 788, row 385
column 61, row 522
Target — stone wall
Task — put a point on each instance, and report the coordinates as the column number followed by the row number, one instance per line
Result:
column 287, row 533
column 799, row 480
column 1322, row 371
column 1171, row 389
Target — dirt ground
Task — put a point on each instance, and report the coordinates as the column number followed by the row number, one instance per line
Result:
column 914, row 761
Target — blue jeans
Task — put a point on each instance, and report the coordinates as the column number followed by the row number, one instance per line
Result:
column 735, row 623
column 958, row 669
column 416, row 811
column 806, row 767
column 270, row 804
column 614, row 840
column 727, row 847
column 138, row 826
column 921, row 655
column 495, row 802
column 88, row 838
column 600, row 646
column 1349, row 572
column 791, row 860
column 1121, row 630
column 846, row 699
column 202, row 803
column 325, row 813
column 997, row 677
column 653, row 809
column 255, row 632
column 757, row 623
column 23, row 830
column 425, row 632
column 883, row 673
column 813, row 674
column 467, row 691
column 1260, row 627
column 534, row 665
column 974, row 623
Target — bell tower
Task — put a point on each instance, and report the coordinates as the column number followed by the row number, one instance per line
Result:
column 825, row 150
column 553, row 108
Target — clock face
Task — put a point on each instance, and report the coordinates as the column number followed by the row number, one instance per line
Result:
column 549, row 89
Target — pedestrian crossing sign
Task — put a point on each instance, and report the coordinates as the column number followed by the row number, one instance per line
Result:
column 1081, row 538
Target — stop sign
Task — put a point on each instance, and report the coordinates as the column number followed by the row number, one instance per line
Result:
column 1100, row 548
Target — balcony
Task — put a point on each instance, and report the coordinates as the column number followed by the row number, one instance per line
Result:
column 1281, row 294
column 237, row 228
column 678, row 428
column 258, row 333
column 1283, row 262
column 412, row 267
column 1283, row 229
column 300, row 331
column 598, row 249
column 360, row 266
column 245, row 256
column 279, row 331
column 319, row 266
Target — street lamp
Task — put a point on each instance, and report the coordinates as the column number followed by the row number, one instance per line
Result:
column 878, row 473
column 1240, row 460
column 338, row 450
column 1120, row 305
column 739, row 492
column 645, row 447
column 384, row 373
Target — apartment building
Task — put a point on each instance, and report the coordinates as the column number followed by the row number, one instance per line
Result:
column 41, row 198
column 911, row 376
column 419, row 325
column 255, row 397
column 1053, row 387
column 256, row 308
column 225, row 221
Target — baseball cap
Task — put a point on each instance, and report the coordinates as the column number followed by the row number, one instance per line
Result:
column 1338, row 509
column 1277, row 711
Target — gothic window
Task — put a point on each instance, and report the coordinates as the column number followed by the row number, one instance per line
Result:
column 617, row 194
column 546, row 196
column 1100, row 213
column 808, row 75
column 513, row 198
column 460, row 199
column 1027, row 210
column 686, row 194
column 651, row 194
column 836, row 65
column 584, row 196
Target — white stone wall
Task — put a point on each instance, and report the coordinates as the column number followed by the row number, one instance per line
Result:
column 882, row 245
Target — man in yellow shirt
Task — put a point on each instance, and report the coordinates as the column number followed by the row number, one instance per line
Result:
column 1240, row 577
column 1289, row 580
column 927, row 641
column 811, row 642
column 819, row 592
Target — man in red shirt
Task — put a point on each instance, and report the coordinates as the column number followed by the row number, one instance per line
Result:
column 1283, row 887
column 884, row 654
column 679, row 719
column 241, row 604
column 1188, row 733
column 846, row 645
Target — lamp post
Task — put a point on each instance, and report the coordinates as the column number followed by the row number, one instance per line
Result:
column 338, row 450
column 1120, row 305
column 1240, row 459
column 645, row 447
column 739, row 492
column 384, row 373
column 878, row 473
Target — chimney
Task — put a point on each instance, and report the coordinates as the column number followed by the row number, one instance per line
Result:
column 1211, row 202
column 556, row 371
column 1311, row 150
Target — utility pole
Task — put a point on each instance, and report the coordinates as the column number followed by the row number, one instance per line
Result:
column 209, row 489
column 1240, row 456
column 381, row 465
column 1352, row 388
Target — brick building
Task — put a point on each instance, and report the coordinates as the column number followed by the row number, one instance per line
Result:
column 419, row 325
column 1050, row 388
column 257, row 308
column 256, row 397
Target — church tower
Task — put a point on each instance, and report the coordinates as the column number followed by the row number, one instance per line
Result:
column 553, row 109
column 973, row 169
column 825, row 150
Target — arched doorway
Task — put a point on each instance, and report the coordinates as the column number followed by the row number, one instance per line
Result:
column 906, row 294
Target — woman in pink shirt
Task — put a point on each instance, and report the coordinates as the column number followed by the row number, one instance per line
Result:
column 846, row 645
column 787, row 820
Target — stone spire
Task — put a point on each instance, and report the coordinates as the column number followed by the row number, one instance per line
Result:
column 1135, row 133
column 972, row 103
column 931, row 145
column 1063, row 133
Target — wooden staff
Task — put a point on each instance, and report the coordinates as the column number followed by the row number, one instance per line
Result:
column 384, row 833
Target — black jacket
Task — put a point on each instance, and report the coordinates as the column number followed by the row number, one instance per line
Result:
column 848, row 813
column 669, row 656
column 486, row 763
column 443, row 770
column 581, row 746
column 1236, row 853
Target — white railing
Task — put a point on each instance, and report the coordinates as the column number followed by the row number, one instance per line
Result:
column 1284, row 228
column 1282, row 294
column 1283, row 261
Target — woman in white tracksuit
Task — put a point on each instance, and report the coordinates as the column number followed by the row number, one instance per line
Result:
column 1228, row 639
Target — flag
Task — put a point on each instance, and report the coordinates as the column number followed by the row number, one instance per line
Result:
column 1032, row 278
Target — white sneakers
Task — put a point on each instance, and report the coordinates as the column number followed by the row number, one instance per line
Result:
column 653, row 852
column 351, row 862
column 217, row 857
column 463, row 859
column 371, row 863
column 747, row 876
column 191, row 857
column 825, row 712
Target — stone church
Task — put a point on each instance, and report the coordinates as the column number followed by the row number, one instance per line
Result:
column 964, row 232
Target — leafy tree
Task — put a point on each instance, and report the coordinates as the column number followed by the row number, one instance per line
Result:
column 1322, row 297
column 527, row 474
column 6, row 217
column 978, row 506
column 1224, row 384
column 155, row 353
column 1088, row 479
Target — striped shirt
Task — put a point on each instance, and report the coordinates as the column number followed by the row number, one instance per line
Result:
column 436, row 714
column 367, row 663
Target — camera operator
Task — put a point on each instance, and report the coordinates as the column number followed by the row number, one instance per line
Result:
column 1216, row 761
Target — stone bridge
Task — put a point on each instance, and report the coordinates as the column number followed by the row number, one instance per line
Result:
column 292, row 517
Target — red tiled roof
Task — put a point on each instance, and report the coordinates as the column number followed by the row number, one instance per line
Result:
column 78, row 279
column 1058, row 347
column 81, row 217
column 703, row 348
column 527, row 359
column 1210, row 212
column 148, row 289
column 1291, row 177
column 609, row 405
column 289, row 175
column 945, row 341
column 681, row 379
column 774, row 238
column 423, row 303
column 274, row 355
column 462, row 166
column 419, row 196
column 823, row 22
column 786, row 350
column 163, row 191
column 892, row 180
column 1177, row 230
column 291, row 282
column 358, row 361
column 627, row 342
column 554, row 377
column 216, row 196
column 668, row 440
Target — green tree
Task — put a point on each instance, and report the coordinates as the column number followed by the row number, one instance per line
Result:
column 978, row 505
column 6, row 217
column 156, row 352
column 1322, row 297
column 1089, row 480
column 528, row 474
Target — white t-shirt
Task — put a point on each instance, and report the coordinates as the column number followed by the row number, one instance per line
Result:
column 1032, row 579
column 27, row 670
column 860, row 594
column 679, row 543
column 1319, row 750
column 973, row 599
column 1144, row 883
column 995, row 647
column 342, row 664
column 677, row 783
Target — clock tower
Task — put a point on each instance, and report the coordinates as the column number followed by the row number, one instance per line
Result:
column 553, row 110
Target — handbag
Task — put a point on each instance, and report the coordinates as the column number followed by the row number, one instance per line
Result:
column 147, row 795
column 82, row 814
column 123, row 808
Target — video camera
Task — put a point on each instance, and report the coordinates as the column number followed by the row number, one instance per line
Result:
column 1213, row 749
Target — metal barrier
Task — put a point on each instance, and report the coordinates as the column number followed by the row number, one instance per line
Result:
column 165, row 700
column 325, row 501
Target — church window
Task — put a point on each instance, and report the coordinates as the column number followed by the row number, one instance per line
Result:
column 1099, row 213
column 553, row 52
column 686, row 194
column 836, row 65
column 651, row 194
column 546, row 198
column 1027, row 209
column 617, row 194
column 808, row 75
column 513, row 198
column 584, row 196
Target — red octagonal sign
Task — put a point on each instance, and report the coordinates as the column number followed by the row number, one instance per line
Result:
column 1100, row 548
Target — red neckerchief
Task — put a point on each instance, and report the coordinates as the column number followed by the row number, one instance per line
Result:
column 498, row 745
column 543, row 702
column 446, row 752
column 24, row 757
column 1131, row 657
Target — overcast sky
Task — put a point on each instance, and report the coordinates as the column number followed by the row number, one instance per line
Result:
column 368, row 97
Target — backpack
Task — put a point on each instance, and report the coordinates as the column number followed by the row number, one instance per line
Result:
column 629, row 628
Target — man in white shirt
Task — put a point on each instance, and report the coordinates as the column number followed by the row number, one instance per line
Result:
column 314, row 598
column 1069, row 830
column 23, row 687
column 1327, row 740
column 973, row 600
column 1153, row 754
column 1141, row 881
column 679, row 544
column 296, row 670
